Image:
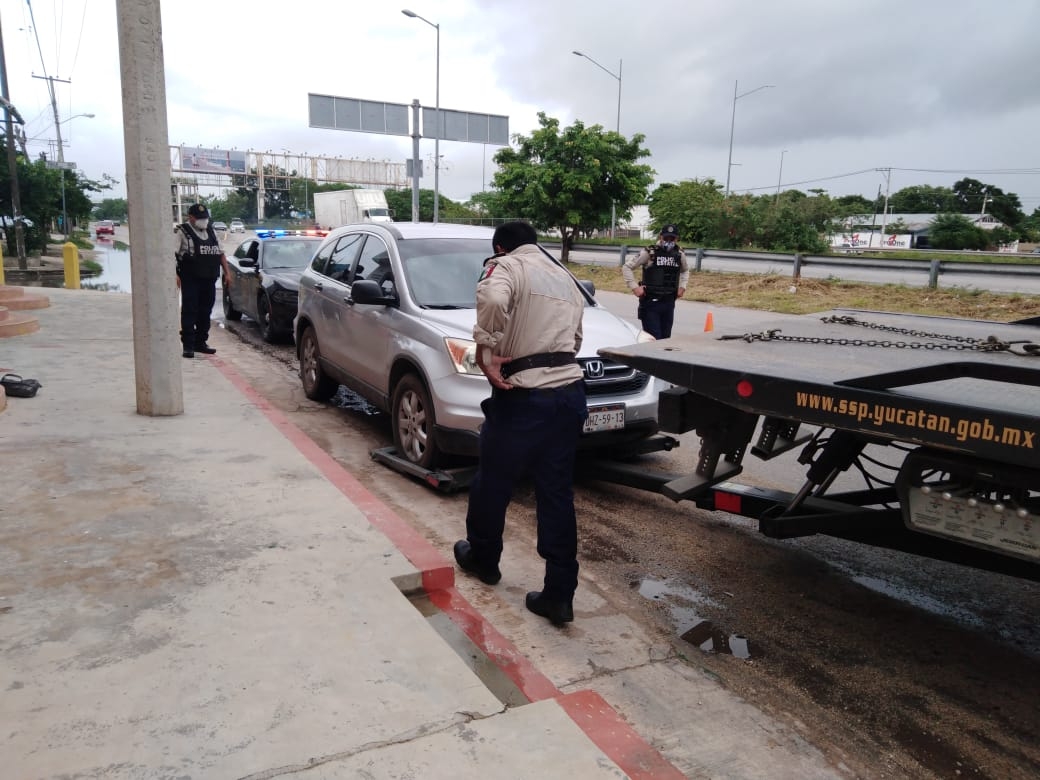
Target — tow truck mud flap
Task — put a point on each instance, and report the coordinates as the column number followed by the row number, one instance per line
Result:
column 444, row 480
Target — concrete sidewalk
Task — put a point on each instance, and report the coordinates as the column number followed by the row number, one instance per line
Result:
column 212, row 596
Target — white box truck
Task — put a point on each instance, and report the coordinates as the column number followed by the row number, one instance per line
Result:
column 348, row 207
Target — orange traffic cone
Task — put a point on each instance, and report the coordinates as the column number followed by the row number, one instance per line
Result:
column 709, row 323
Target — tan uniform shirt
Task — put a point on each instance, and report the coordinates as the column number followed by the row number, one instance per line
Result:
column 526, row 304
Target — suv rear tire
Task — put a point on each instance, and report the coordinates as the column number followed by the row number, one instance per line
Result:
column 317, row 385
column 413, row 423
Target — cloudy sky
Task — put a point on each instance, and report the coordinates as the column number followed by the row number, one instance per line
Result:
column 935, row 90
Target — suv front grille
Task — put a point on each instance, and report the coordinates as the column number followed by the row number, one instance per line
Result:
column 607, row 377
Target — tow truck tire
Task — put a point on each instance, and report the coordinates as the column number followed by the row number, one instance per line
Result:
column 317, row 385
column 413, row 423
column 264, row 319
column 230, row 312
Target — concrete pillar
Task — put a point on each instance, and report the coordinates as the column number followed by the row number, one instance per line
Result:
column 157, row 347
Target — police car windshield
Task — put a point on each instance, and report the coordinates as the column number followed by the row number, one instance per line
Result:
column 288, row 253
column 442, row 273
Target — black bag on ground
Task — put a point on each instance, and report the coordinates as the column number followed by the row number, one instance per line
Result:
column 16, row 387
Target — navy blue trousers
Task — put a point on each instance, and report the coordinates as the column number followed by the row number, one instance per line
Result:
column 657, row 316
column 530, row 433
column 197, row 299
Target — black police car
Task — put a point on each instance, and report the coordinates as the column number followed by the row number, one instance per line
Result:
column 265, row 274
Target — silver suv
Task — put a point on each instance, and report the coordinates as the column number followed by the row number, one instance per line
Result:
column 388, row 310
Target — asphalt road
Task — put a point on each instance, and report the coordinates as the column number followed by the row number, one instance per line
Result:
column 911, row 278
column 888, row 664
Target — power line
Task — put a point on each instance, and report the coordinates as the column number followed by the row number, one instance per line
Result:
column 962, row 172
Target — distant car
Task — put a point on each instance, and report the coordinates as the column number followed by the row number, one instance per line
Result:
column 1036, row 250
column 265, row 273
column 105, row 227
column 237, row 226
column 220, row 226
column 388, row 309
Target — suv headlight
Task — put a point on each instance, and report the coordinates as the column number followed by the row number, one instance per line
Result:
column 463, row 354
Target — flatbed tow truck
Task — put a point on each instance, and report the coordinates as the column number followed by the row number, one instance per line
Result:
column 951, row 407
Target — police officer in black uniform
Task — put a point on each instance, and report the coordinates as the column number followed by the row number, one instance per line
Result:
column 664, row 281
column 199, row 263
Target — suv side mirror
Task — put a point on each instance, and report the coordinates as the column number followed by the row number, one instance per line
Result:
column 369, row 292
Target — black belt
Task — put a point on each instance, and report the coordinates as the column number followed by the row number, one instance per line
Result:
column 540, row 360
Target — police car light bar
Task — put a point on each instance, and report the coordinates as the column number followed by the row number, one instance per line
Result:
column 272, row 233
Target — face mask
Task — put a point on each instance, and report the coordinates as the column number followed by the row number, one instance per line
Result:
column 668, row 244
column 202, row 224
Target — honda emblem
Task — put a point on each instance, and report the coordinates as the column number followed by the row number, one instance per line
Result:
column 593, row 369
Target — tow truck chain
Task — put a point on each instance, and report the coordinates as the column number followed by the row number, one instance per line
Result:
column 989, row 344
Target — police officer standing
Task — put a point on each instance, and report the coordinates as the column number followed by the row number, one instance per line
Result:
column 664, row 281
column 199, row 263
column 528, row 334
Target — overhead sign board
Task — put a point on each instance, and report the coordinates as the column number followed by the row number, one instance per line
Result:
column 212, row 160
column 365, row 116
column 466, row 126
column 368, row 116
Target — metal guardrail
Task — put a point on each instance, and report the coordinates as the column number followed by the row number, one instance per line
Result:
column 932, row 266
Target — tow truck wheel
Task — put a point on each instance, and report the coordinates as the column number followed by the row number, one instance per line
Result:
column 230, row 312
column 263, row 312
column 413, row 423
column 317, row 385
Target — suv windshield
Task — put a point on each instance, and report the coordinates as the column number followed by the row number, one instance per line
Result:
column 443, row 272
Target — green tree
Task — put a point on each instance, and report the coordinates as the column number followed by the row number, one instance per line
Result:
column 111, row 208
column 954, row 231
column 971, row 194
column 923, row 199
column 694, row 206
column 569, row 179
column 40, row 195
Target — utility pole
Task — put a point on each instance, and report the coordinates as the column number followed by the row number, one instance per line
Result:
column 884, row 214
column 54, row 107
column 12, row 162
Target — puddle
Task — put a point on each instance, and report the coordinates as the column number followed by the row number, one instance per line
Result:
column 351, row 401
column 713, row 640
column 682, row 603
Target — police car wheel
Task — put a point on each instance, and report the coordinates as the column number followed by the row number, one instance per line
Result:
column 268, row 331
column 230, row 312
column 413, row 422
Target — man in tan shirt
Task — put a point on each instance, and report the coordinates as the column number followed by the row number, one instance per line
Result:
column 528, row 333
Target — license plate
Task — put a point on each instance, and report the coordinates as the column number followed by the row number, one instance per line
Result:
column 605, row 418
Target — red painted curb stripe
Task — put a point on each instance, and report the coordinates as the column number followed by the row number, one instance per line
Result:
column 532, row 683
column 589, row 711
column 616, row 738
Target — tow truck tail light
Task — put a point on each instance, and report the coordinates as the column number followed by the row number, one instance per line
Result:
column 727, row 502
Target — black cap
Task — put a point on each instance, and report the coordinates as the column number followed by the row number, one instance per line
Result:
column 670, row 230
column 198, row 211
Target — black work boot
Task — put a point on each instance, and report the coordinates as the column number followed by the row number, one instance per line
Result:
column 556, row 612
column 467, row 561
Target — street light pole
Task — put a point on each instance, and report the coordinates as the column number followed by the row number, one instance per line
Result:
column 779, row 176
column 437, row 114
column 62, row 168
column 613, row 204
column 732, row 123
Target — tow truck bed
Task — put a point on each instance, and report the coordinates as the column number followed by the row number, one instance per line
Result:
column 954, row 403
